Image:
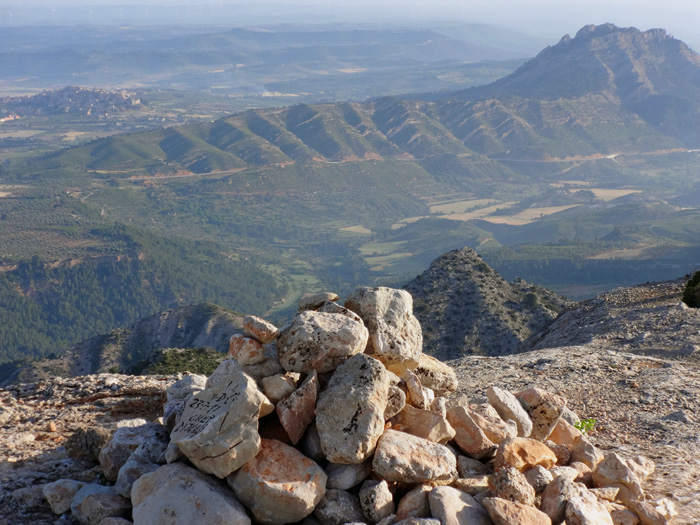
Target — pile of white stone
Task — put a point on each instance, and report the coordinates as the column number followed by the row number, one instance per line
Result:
column 339, row 418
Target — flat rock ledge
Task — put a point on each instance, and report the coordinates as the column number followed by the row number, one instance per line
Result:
column 333, row 425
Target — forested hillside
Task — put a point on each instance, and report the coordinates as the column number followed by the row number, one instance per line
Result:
column 46, row 308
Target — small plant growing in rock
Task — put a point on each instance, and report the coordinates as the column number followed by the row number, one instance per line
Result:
column 691, row 294
column 585, row 425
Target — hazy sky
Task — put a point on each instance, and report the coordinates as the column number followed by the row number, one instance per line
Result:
column 544, row 17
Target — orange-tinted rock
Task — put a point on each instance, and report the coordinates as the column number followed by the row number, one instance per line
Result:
column 495, row 428
column 298, row 410
column 436, row 375
column 524, row 453
column 544, row 409
column 260, row 329
column 564, row 433
column 423, row 423
column 614, row 469
column 245, row 350
column 280, row 485
column 503, row 512
column 469, row 436
column 415, row 503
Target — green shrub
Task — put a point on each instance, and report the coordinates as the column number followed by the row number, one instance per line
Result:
column 691, row 294
column 585, row 425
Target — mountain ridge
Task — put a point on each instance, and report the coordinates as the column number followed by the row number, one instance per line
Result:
column 607, row 90
column 466, row 308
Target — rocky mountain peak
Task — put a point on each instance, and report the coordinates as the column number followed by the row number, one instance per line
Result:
column 319, row 424
column 649, row 74
column 467, row 308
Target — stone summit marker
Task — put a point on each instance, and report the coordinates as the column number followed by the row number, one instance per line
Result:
column 218, row 429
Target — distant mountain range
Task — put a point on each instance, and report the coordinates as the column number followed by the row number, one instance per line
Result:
column 606, row 91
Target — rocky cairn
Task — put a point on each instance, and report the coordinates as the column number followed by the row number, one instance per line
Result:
column 340, row 418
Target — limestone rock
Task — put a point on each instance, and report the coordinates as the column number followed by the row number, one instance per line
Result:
column 454, row 507
column 558, row 494
column 334, row 308
column 471, row 467
column 297, row 411
column 93, row 502
column 524, row 453
column 260, row 329
column 585, row 452
column 468, row 435
column 439, row 406
column 60, row 493
column 414, row 503
column 562, row 452
column 246, row 350
column 495, row 428
column 339, row 507
column 190, row 384
column 423, row 423
column 508, row 407
column 585, row 474
column 172, row 410
column 564, row 433
column 396, row 401
column 280, row 485
column 133, row 469
column 614, row 469
column 410, row 459
column 124, row 442
column 320, row 341
column 395, row 336
column 415, row 394
column 509, row 484
column 173, row 453
column 472, row 485
column 504, row 512
column 568, row 473
column 218, row 430
column 623, row 517
column 539, row 477
column 544, row 408
column 278, row 386
column 350, row 412
column 376, row 500
column 269, row 367
column 436, row 375
column 418, row 521
column 180, row 494
column 313, row 301
column 345, row 477
column 647, row 514
column 605, row 493
column 580, row 511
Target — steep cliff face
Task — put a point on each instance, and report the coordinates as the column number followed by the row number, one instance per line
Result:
column 467, row 308
column 129, row 349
